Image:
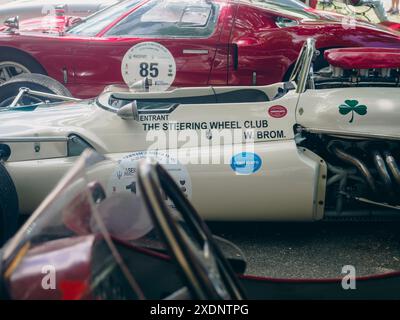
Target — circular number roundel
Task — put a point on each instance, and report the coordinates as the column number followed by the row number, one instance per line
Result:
column 149, row 60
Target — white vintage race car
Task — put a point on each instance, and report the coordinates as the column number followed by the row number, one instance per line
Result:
column 319, row 146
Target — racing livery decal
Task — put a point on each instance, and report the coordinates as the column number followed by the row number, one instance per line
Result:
column 252, row 129
column 124, row 177
column 353, row 107
column 246, row 163
column 149, row 60
column 277, row 112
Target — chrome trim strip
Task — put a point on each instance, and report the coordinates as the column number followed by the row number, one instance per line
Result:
column 193, row 51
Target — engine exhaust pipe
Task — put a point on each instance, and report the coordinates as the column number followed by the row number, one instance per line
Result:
column 358, row 164
column 393, row 167
column 382, row 170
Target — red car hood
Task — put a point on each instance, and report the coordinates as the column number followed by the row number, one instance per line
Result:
column 391, row 25
column 46, row 24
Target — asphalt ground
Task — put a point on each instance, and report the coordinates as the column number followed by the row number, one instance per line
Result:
column 315, row 250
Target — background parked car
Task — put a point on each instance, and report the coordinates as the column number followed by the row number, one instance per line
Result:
column 27, row 9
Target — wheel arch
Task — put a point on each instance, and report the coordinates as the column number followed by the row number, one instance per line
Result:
column 11, row 51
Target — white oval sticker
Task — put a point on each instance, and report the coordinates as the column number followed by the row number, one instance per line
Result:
column 124, row 177
column 149, row 60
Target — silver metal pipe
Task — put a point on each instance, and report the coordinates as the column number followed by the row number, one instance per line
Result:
column 23, row 91
column 351, row 173
column 341, row 196
column 358, row 164
column 382, row 169
column 51, row 95
column 334, row 179
column 18, row 97
column 393, row 167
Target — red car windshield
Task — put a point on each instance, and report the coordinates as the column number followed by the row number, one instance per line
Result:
column 169, row 18
column 97, row 22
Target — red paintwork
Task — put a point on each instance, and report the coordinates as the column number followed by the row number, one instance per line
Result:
column 47, row 24
column 391, row 25
column 73, row 289
column 313, row 3
column 71, row 258
column 363, row 58
column 265, row 51
column 277, row 111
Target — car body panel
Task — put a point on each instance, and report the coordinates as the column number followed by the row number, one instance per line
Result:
column 210, row 180
column 381, row 118
column 70, row 271
column 350, row 58
column 88, row 120
column 245, row 122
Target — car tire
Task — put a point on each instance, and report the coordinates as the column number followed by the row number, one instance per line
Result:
column 39, row 82
column 9, row 210
column 21, row 62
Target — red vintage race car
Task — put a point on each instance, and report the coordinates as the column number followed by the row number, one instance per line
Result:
column 177, row 43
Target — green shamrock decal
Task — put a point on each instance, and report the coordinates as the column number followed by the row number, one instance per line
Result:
column 353, row 107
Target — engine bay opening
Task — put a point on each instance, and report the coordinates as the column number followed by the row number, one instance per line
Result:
column 359, row 67
column 363, row 175
column 334, row 77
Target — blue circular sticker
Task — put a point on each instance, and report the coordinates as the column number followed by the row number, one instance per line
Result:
column 246, row 163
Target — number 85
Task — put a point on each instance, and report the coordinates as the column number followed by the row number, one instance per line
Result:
column 149, row 70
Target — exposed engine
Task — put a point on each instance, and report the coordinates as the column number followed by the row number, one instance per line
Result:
column 335, row 77
column 359, row 67
column 363, row 175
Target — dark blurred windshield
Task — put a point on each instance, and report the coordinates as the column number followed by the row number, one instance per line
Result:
column 77, row 209
column 94, row 24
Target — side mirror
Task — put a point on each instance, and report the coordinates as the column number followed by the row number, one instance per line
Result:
column 129, row 111
column 12, row 24
column 142, row 85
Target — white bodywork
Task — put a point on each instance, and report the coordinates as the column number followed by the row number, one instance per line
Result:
column 264, row 191
column 381, row 121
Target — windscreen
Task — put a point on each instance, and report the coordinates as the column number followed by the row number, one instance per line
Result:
column 89, row 237
column 94, row 24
